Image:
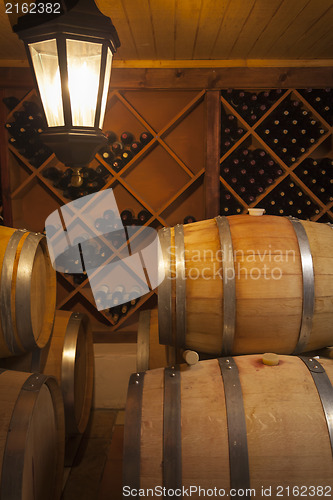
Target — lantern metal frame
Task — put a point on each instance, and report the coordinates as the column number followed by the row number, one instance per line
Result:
column 75, row 146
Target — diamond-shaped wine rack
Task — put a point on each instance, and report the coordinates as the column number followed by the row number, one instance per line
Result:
column 165, row 177
column 277, row 152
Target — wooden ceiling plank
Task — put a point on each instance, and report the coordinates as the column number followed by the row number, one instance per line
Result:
column 11, row 47
column 115, row 10
column 212, row 15
column 233, row 22
column 299, row 27
column 140, row 23
column 314, row 34
column 163, row 18
column 256, row 24
column 323, row 46
column 187, row 21
column 277, row 25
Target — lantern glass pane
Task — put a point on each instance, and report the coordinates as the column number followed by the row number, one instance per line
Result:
column 44, row 57
column 84, row 63
column 106, row 86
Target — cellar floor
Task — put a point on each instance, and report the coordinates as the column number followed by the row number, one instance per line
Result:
column 96, row 472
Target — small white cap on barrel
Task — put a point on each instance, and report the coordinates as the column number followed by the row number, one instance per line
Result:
column 256, row 211
column 191, row 357
column 270, row 359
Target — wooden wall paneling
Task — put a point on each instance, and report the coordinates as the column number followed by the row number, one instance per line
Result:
column 4, row 165
column 213, row 145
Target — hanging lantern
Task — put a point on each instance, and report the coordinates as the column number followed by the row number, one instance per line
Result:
column 71, row 56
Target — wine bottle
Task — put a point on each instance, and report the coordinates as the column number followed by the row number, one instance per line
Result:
column 38, row 156
column 88, row 174
column 115, row 313
column 117, row 238
column 274, row 94
column 189, row 219
column 111, row 224
column 103, row 254
column 107, row 155
column 117, row 164
column 22, row 117
column 126, row 156
column 79, row 278
column 125, row 307
column 94, row 186
column 134, row 295
column 117, row 295
column 111, row 136
column 101, row 296
column 117, row 147
column 64, row 181
column 145, row 137
column 100, row 225
column 143, row 217
column 127, row 217
column 127, row 138
column 102, row 171
column 16, row 129
column 52, row 173
column 11, row 102
column 136, row 146
column 259, row 155
column 72, row 192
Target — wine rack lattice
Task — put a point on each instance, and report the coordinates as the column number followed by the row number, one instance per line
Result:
column 164, row 178
column 276, row 151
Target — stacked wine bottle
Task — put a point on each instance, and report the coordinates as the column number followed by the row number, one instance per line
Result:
column 317, row 174
column 119, row 301
column 250, row 171
column 92, row 180
column 251, row 105
column 231, row 131
column 25, row 127
column 288, row 199
column 228, row 203
column 128, row 217
column 321, row 100
column 119, row 152
column 290, row 130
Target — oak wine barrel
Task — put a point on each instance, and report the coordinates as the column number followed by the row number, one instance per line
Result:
column 244, row 284
column 32, row 437
column 27, row 290
column 69, row 357
column 231, row 423
column 150, row 353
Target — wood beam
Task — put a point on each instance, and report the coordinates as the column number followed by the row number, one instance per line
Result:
column 213, row 141
column 4, row 165
column 196, row 78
